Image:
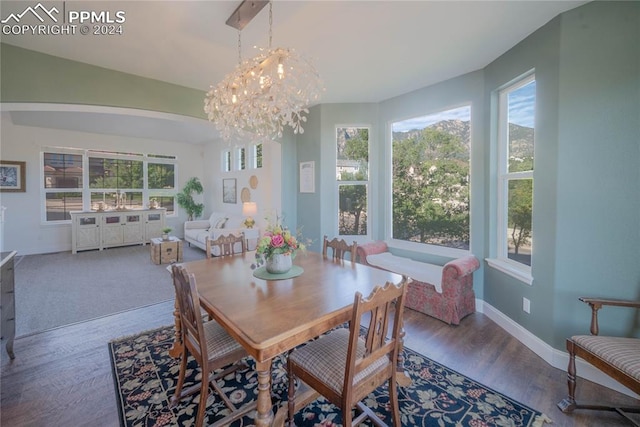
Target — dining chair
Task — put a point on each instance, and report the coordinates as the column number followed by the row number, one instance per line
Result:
column 345, row 367
column 209, row 344
column 227, row 244
column 339, row 248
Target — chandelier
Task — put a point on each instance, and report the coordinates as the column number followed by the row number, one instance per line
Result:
column 265, row 93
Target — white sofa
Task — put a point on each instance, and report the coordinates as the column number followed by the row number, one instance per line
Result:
column 218, row 224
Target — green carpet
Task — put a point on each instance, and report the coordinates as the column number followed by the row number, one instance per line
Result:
column 145, row 378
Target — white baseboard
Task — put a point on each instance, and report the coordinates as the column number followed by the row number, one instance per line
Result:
column 554, row 357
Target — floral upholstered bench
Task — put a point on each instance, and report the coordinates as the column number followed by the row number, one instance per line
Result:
column 444, row 292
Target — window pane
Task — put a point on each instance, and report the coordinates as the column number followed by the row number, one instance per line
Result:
column 430, row 179
column 352, row 162
column 257, row 156
column 58, row 205
column 166, row 202
column 521, row 108
column 241, row 159
column 161, row 176
column 115, row 173
column 519, row 213
column 62, row 170
column 352, row 218
column 226, row 161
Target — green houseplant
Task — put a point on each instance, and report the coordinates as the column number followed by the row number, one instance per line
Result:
column 185, row 198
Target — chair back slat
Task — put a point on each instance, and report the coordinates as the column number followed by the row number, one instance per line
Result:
column 339, row 248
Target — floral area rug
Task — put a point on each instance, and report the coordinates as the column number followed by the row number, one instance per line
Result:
column 145, row 378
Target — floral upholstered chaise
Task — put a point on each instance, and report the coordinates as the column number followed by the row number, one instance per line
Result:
column 444, row 292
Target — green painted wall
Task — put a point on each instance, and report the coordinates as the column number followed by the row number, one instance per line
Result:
column 587, row 171
column 598, row 190
column 29, row 76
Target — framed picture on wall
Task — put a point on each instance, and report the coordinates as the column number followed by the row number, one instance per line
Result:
column 307, row 177
column 12, row 176
column 229, row 192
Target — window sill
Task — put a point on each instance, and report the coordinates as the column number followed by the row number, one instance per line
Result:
column 511, row 270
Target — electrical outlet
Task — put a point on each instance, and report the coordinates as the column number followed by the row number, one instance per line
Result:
column 526, row 305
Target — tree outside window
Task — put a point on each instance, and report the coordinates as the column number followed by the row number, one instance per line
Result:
column 430, row 179
column 352, row 176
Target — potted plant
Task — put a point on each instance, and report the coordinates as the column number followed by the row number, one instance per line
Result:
column 185, row 198
column 165, row 233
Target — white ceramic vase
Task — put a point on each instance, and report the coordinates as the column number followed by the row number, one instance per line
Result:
column 279, row 263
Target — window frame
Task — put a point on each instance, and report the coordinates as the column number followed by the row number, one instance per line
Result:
column 85, row 190
column 500, row 260
column 339, row 183
column 431, row 249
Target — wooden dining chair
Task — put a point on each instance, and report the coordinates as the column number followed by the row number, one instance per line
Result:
column 345, row 367
column 227, row 244
column 339, row 248
column 209, row 344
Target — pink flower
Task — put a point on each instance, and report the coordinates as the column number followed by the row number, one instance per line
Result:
column 277, row 241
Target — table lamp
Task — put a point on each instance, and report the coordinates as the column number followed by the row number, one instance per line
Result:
column 249, row 209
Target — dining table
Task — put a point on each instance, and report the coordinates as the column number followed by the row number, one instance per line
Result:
column 271, row 316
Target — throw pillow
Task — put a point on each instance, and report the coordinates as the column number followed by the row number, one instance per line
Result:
column 220, row 223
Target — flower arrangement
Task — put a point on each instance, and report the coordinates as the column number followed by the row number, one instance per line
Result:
column 278, row 239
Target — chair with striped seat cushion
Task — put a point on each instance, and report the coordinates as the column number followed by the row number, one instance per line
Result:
column 345, row 367
column 618, row 357
column 210, row 345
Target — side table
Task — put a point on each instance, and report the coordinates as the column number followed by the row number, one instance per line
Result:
column 166, row 251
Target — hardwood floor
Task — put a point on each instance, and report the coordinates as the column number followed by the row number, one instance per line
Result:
column 62, row 377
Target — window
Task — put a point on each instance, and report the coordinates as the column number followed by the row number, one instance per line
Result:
column 352, row 178
column 430, row 179
column 117, row 179
column 226, row 161
column 62, row 185
column 241, row 159
column 516, row 117
column 256, row 156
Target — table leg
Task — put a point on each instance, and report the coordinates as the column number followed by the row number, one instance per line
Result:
column 176, row 349
column 264, row 415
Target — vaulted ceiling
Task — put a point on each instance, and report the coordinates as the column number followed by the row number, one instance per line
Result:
column 365, row 51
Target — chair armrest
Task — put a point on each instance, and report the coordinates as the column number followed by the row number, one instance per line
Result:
column 199, row 224
column 460, row 267
column 370, row 249
column 597, row 303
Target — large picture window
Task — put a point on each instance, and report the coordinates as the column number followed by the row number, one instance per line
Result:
column 78, row 180
column 516, row 135
column 352, row 178
column 430, row 179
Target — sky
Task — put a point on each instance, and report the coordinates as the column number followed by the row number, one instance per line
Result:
column 521, row 112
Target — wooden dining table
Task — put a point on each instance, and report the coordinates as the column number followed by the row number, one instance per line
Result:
column 271, row 317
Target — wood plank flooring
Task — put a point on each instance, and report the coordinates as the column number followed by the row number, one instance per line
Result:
column 62, row 377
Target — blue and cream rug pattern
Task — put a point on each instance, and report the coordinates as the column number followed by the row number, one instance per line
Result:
column 145, row 378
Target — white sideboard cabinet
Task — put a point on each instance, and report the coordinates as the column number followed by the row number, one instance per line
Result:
column 99, row 230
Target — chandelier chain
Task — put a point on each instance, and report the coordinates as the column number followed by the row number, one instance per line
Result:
column 239, row 47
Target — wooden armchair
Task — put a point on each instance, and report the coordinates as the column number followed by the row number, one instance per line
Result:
column 228, row 245
column 617, row 357
column 340, row 248
column 345, row 367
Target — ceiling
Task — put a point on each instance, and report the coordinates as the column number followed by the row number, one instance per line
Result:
column 364, row 51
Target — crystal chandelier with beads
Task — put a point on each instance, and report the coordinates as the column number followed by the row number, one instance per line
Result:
column 264, row 94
